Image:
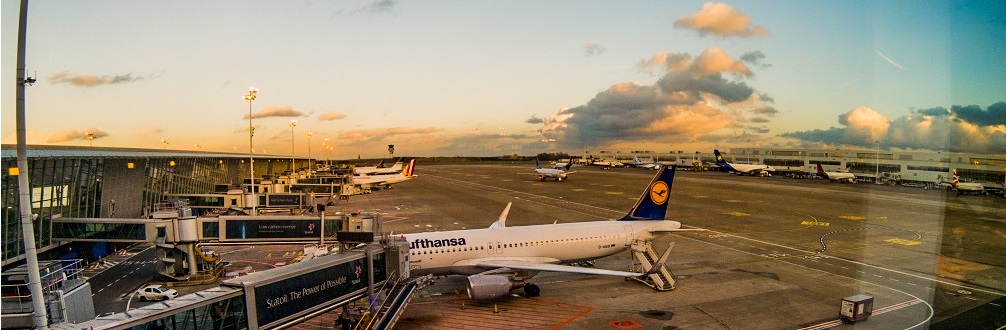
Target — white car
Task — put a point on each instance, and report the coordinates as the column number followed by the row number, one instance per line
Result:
column 156, row 292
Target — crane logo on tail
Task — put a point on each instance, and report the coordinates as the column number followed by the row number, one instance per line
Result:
column 658, row 192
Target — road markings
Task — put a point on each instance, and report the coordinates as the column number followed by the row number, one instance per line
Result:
column 852, row 217
column 737, row 214
column 902, row 241
column 815, row 223
column 613, row 192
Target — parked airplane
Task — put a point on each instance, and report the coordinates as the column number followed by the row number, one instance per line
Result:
column 369, row 170
column 835, row 176
column 548, row 173
column 749, row 169
column 499, row 259
column 640, row 164
column 386, row 180
column 563, row 165
column 966, row 187
column 607, row 163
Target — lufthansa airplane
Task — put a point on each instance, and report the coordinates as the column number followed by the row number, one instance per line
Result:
column 759, row 170
column 499, row 259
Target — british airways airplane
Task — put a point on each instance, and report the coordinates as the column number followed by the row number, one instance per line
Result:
column 499, row 259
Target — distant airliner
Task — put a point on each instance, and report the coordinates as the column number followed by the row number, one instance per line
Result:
column 369, row 170
column 759, row 170
column 640, row 164
column 836, row 176
column 966, row 187
column 386, row 180
column 499, row 259
column 549, row 173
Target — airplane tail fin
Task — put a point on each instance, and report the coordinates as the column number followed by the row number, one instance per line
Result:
column 652, row 205
column 569, row 164
column 956, row 181
column 820, row 169
column 719, row 158
column 380, row 164
column 536, row 163
column 409, row 169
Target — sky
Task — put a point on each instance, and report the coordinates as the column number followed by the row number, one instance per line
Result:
column 487, row 78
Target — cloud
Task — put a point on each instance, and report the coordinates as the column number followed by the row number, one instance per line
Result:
column 377, row 7
column 283, row 111
column 754, row 58
column 890, row 61
column 962, row 129
column 591, row 49
column 329, row 116
column 72, row 135
column 534, row 120
column 691, row 99
column 994, row 115
column 65, row 77
column 722, row 20
column 712, row 61
column 382, row 134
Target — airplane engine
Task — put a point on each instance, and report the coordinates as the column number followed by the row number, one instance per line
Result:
column 484, row 287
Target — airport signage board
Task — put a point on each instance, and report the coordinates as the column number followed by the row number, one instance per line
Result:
column 279, row 200
column 271, row 229
column 296, row 296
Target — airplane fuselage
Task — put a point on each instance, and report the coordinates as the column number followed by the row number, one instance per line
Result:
column 459, row 251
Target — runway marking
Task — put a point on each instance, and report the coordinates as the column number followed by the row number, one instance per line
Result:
column 732, row 201
column 613, row 193
column 852, row 217
column 737, row 214
column 902, row 241
column 700, row 196
column 578, row 189
column 815, row 223
column 879, row 311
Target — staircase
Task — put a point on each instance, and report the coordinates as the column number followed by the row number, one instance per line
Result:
column 398, row 296
column 643, row 258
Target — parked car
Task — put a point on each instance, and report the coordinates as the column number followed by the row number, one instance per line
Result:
column 156, row 292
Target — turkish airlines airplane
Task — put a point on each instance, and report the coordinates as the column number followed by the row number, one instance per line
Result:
column 499, row 259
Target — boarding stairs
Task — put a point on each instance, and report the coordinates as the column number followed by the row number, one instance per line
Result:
column 399, row 294
column 643, row 259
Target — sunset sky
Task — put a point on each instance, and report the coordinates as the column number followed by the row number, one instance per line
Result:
column 483, row 78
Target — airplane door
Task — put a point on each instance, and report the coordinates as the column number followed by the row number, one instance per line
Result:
column 499, row 248
column 628, row 235
column 489, row 248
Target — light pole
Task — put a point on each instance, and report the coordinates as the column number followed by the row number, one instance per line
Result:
column 309, row 161
column 876, row 174
column 324, row 145
column 293, row 123
column 251, row 150
column 90, row 138
column 164, row 144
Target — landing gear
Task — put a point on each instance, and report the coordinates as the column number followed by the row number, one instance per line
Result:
column 531, row 290
column 542, row 177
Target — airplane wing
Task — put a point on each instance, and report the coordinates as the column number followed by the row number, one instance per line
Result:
column 523, row 265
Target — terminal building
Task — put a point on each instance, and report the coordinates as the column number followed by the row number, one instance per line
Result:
column 923, row 168
column 87, row 202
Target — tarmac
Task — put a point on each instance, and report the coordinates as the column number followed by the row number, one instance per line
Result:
column 777, row 253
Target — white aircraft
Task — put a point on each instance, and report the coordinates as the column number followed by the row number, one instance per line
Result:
column 563, row 165
column 548, row 173
column 835, row 176
column 607, row 163
column 370, row 170
column 386, row 180
column 640, row 164
column 966, row 187
column 499, row 259
column 749, row 169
